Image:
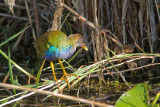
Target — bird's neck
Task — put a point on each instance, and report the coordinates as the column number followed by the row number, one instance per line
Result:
column 72, row 40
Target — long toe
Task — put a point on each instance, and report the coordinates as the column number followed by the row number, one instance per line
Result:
column 65, row 78
column 73, row 75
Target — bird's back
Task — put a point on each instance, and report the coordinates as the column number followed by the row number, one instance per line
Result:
column 50, row 43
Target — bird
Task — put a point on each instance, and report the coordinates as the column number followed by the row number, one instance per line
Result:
column 56, row 45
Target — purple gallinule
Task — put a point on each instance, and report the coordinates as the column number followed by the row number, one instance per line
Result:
column 55, row 45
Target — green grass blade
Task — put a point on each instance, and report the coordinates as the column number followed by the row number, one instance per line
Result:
column 14, row 36
column 17, row 66
column 10, row 70
column 74, row 55
column 69, row 65
column 86, row 73
column 156, row 99
column 39, row 72
column 5, row 101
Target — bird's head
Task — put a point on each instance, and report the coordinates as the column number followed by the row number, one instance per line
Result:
column 78, row 41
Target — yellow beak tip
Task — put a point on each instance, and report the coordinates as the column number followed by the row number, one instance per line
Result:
column 85, row 48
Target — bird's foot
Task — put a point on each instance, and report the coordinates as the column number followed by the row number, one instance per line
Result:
column 65, row 78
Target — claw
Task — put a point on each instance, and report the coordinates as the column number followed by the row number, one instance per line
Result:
column 65, row 76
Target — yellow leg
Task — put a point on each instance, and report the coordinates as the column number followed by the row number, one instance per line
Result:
column 52, row 66
column 65, row 74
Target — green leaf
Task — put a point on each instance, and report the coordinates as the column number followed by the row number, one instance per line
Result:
column 136, row 97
